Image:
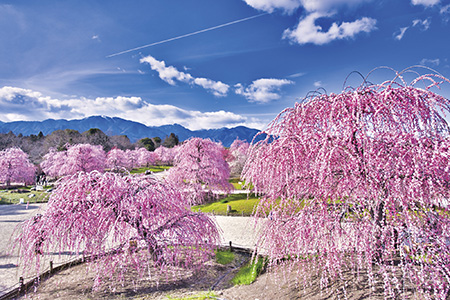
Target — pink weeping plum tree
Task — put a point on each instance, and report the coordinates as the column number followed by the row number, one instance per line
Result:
column 145, row 157
column 122, row 223
column 360, row 181
column 237, row 156
column 16, row 167
column 116, row 159
column 200, row 169
column 165, row 156
column 133, row 158
column 80, row 157
column 53, row 161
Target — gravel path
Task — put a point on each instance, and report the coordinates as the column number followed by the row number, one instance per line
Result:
column 241, row 231
column 10, row 217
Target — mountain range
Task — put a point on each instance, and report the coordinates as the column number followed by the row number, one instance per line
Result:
column 133, row 130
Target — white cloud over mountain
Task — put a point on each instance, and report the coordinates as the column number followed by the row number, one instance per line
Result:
column 24, row 104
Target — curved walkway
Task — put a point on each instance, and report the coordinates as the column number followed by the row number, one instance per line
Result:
column 241, row 231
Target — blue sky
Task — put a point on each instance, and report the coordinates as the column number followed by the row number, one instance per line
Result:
column 213, row 63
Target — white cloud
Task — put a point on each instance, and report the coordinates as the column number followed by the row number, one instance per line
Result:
column 308, row 32
column 318, row 84
column 296, row 75
column 400, row 35
column 170, row 74
column 262, row 90
column 290, row 6
column 326, row 5
column 445, row 12
column 425, row 2
column 445, row 9
column 270, row 5
column 23, row 104
column 427, row 61
column 167, row 73
column 218, row 88
column 423, row 24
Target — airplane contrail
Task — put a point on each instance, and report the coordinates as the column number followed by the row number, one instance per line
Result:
column 186, row 35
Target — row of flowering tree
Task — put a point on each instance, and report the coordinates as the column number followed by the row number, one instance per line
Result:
column 86, row 157
column 76, row 158
column 16, row 167
column 117, row 159
column 360, row 181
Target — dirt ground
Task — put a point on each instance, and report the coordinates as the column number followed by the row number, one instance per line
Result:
column 76, row 283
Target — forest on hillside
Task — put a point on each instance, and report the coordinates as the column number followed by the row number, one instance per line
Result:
column 36, row 146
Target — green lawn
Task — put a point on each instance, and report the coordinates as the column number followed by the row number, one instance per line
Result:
column 202, row 296
column 238, row 202
column 224, row 257
column 6, row 197
column 237, row 183
column 154, row 169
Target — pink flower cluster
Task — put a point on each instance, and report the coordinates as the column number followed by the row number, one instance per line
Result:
column 16, row 167
column 199, row 169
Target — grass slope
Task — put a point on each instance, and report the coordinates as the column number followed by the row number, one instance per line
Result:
column 8, row 197
column 154, row 169
column 248, row 273
column 240, row 205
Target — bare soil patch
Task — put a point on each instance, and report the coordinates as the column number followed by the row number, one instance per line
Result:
column 77, row 283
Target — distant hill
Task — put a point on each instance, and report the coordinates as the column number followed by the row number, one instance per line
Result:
column 134, row 130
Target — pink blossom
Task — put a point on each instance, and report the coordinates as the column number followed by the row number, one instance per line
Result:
column 80, row 157
column 199, row 169
column 165, row 156
column 145, row 157
column 116, row 159
column 237, row 156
